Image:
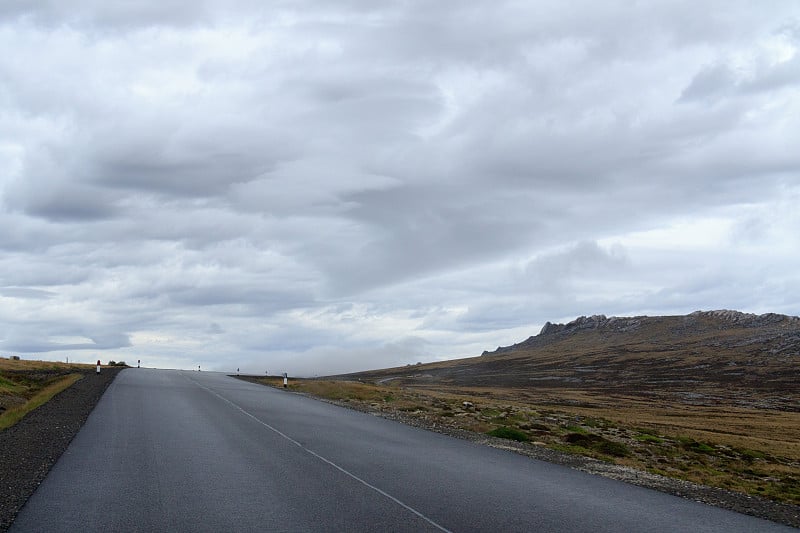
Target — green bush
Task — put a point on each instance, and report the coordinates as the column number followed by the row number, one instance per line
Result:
column 614, row 449
column 647, row 437
column 508, row 433
column 587, row 440
column 597, row 443
column 694, row 446
column 751, row 455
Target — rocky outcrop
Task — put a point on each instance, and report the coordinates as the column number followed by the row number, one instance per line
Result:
column 747, row 320
column 593, row 322
column 782, row 330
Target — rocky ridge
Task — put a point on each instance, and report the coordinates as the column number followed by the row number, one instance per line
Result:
column 781, row 331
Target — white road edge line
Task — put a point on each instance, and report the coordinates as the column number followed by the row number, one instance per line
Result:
column 323, row 459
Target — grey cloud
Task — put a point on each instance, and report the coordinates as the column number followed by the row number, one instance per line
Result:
column 585, row 259
column 47, row 189
column 103, row 14
column 19, row 269
column 710, row 84
column 264, row 300
column 31, row 344
column 775, row 77
column 716, row 83
column 324, row 184
column 69, row 203
column 332, row 359
column 25, row 292
column 290, row 339
column 183, row 160
column 420, row 230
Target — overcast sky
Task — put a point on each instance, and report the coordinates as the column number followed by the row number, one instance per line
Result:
column 319, row 187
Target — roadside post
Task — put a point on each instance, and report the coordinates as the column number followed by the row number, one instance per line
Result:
column 98, row 366
column 285, row 380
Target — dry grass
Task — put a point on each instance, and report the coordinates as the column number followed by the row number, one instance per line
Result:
column 24, row 364
column 773, row 431
column 13, row 415
column 24, row 385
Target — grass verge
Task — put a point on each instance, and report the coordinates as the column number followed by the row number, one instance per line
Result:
column 15, row 414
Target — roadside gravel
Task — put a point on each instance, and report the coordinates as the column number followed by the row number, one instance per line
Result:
column 31, row 447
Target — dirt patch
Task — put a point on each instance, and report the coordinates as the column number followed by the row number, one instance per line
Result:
column 31, row 447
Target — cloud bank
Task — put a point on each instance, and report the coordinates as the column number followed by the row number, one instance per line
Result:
column 302, row 187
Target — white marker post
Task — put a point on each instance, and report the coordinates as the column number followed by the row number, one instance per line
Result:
column 98, row 366
column 285, row 380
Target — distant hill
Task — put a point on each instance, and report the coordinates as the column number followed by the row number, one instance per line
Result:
column 776, row 333
column 704, row 357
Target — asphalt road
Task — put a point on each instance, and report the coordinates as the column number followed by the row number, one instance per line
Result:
column 199, row 451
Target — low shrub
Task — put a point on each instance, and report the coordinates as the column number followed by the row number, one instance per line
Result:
column 614, row 449
column 587, row 440
column 699, row 447
column 646, row 437
column 509, row 433
column 597, row 443
column 749, row 456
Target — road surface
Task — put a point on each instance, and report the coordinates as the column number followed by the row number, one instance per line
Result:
column 200, row 451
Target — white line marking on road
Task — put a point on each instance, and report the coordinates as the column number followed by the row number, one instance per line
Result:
column 323, row 459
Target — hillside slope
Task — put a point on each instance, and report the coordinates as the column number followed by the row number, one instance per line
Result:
column 702, row 358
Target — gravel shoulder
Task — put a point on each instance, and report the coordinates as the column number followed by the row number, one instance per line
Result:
column 31, row 447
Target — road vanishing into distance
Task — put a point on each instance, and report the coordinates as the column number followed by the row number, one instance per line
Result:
column 199, row 451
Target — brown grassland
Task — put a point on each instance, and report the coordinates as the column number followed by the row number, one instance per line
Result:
column 25, row 385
